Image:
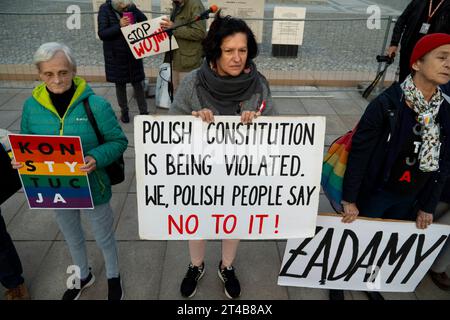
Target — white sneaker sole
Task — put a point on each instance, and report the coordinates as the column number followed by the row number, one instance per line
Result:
column 87, row 285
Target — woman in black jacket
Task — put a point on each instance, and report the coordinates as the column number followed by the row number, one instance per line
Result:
column 400, row 155
column 420, row 17
column 120, row 65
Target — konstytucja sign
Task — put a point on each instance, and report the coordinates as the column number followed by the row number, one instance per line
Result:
column 51, row 177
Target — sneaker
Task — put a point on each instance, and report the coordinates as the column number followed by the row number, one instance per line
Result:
column 231, row 284
column 74, row 293
column 189, row 284
column 115, row 291
column 336, row 295
column 125, row 118
column 18, row 293
column 440, row 279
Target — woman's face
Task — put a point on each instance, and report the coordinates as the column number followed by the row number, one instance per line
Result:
column 434, row 67
column 120, row 6
column 234, row 55
column 57, row 73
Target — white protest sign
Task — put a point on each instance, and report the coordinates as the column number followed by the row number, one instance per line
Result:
column 143, row 5
column 146, row 39
column 288, row 32
column 243, row 9
column 227, row 180
column 368, row 255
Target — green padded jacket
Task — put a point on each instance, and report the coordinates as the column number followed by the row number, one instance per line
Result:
column 39, row 116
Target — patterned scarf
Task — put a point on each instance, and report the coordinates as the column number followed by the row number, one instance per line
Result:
column 427, row 112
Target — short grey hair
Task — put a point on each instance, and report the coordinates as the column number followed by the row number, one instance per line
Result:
column 48, row 50
column 115, row 3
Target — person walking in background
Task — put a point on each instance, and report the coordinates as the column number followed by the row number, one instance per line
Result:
column 420, row 17
column 227, row 83
column 189, row 38
column 56, row 107
column 400, row 155
column 120, row 65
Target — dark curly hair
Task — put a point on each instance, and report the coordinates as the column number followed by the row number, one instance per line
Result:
column 223, row 27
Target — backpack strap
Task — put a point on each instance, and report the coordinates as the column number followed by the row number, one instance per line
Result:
column 91, row 119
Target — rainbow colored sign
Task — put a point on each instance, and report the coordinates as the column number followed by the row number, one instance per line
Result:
column 51, row 176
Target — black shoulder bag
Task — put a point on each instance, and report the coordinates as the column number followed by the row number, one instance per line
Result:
column 116, row 170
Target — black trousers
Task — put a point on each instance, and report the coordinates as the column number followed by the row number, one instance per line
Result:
column 405, row 56
column 139, row 94
column 10, row 266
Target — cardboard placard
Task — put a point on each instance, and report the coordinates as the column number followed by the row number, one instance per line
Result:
column 367, row 255
column 145, row 39
column 226, row 180
column 51, row 177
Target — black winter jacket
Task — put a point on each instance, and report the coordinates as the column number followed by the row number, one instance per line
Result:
column 120, row 64
column 412, row 17
column 375, row 147
column 446, row 192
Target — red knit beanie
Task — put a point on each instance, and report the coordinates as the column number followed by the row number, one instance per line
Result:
column 428, row 43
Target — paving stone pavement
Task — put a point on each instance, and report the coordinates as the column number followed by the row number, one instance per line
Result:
column 154, row 269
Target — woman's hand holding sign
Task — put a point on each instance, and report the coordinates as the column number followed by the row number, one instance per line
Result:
column 15, row 164
column 205, row 114
column 90, row 164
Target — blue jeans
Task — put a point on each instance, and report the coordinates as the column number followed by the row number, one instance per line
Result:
column 10, row 266
column 101, row 219
column 387, row 205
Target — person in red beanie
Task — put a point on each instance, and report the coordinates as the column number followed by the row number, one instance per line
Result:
column 400, row 156
column 420, row 17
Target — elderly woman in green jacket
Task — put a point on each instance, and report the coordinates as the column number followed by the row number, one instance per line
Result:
column 56, row 108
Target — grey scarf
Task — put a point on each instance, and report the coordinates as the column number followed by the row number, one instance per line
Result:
column 225, row 94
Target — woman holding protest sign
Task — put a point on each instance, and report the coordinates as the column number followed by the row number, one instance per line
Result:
column 57, row 107
column 400, row 155
column 120, row 65
column 227, row 83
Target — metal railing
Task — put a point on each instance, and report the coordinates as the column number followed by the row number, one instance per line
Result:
column 337, row 50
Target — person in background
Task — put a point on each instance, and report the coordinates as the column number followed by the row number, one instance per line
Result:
column 438, row 271
column 227, row 83
column 120, row 65
column 400, row 156
column 420, row 17
column 56, row 107
column 189, row 38
column 10, row 265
